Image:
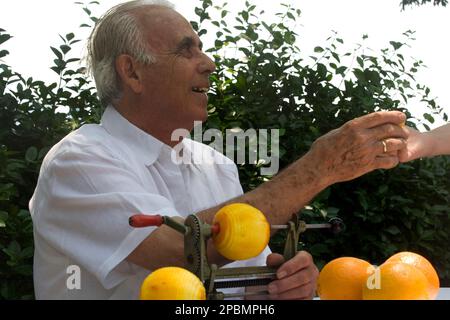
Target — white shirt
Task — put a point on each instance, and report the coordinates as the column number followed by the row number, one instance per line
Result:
column 91, row 182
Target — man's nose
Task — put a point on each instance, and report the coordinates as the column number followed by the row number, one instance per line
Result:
column 207, row 65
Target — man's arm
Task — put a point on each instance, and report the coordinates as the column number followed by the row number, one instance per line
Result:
column 343, row 154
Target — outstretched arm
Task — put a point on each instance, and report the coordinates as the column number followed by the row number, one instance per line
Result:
column 426, row 144
column 343, row 154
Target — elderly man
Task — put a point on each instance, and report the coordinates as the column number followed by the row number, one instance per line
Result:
column 151, row 73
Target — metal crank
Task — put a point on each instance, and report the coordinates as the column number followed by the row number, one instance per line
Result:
column 196, row 234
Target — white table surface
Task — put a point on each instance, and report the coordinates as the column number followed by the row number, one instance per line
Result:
column 444, row 294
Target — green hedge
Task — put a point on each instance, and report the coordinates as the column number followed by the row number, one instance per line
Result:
column 271, row 85
column 275, row 85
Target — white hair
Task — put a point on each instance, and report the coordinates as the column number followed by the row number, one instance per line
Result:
column 117, row 32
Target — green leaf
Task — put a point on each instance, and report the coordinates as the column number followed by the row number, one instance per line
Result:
column 13, row 250
column 3, row 218
column 73, row 60
column 31, row 154
column 245, row 15
column 4, row 38
column 359, row 74
column 318, row 49
column 394, row 230
column 383, row 189
column 24, row 214
column 251, row 34
column 87, row 11
column 3, row 53
column 360, row 61
column 336, row 56
column 60, row 63
column 341, row 70
column 428, row 117
column 27, row 253
column 396, row 45
column 321, row 71
column 332, row 211
column 57, row 53
column 363, row 201
column 57, row 70
column 65, row 48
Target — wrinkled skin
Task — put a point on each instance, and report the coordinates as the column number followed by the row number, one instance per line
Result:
column 356, row 148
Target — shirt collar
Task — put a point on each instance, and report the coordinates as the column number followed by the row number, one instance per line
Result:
column 144, row 145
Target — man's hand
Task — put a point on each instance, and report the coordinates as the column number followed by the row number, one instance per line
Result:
column 360, row 146
column 296, row 278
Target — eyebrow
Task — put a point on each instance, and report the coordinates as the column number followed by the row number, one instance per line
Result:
column 188, row 42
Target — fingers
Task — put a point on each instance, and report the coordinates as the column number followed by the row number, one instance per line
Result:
column 394, row 152
column 274, row 260
column 296, row 278
column 386, row 162
column 382, row 117
column 302, row 260
column 389, row 130
column 357, row 147
column 390, row 146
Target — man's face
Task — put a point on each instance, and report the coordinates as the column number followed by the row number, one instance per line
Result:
column 176, row 84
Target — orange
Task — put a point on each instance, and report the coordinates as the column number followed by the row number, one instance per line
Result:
column 172, row 283
column 398, row 281
column 244, row 231
column 423, row 265
column 343, row 279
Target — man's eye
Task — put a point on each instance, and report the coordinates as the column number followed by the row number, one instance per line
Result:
column 186, row 51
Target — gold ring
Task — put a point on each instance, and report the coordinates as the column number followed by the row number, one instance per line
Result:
column 384, row 145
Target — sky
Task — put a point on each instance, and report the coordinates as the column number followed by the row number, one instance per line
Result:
column 35, row 26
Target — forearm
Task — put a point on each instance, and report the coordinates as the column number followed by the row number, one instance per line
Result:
column 165, row 247
column 439, row 139
column 341, row 155
column 289, row 191
column 278, row 199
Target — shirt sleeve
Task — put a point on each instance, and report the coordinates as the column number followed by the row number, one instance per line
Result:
column 82, row 208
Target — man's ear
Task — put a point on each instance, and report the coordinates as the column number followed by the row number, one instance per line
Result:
column 129, row 72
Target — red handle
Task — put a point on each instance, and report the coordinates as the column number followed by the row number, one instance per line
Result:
column 215, row 228
column 144, row 220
